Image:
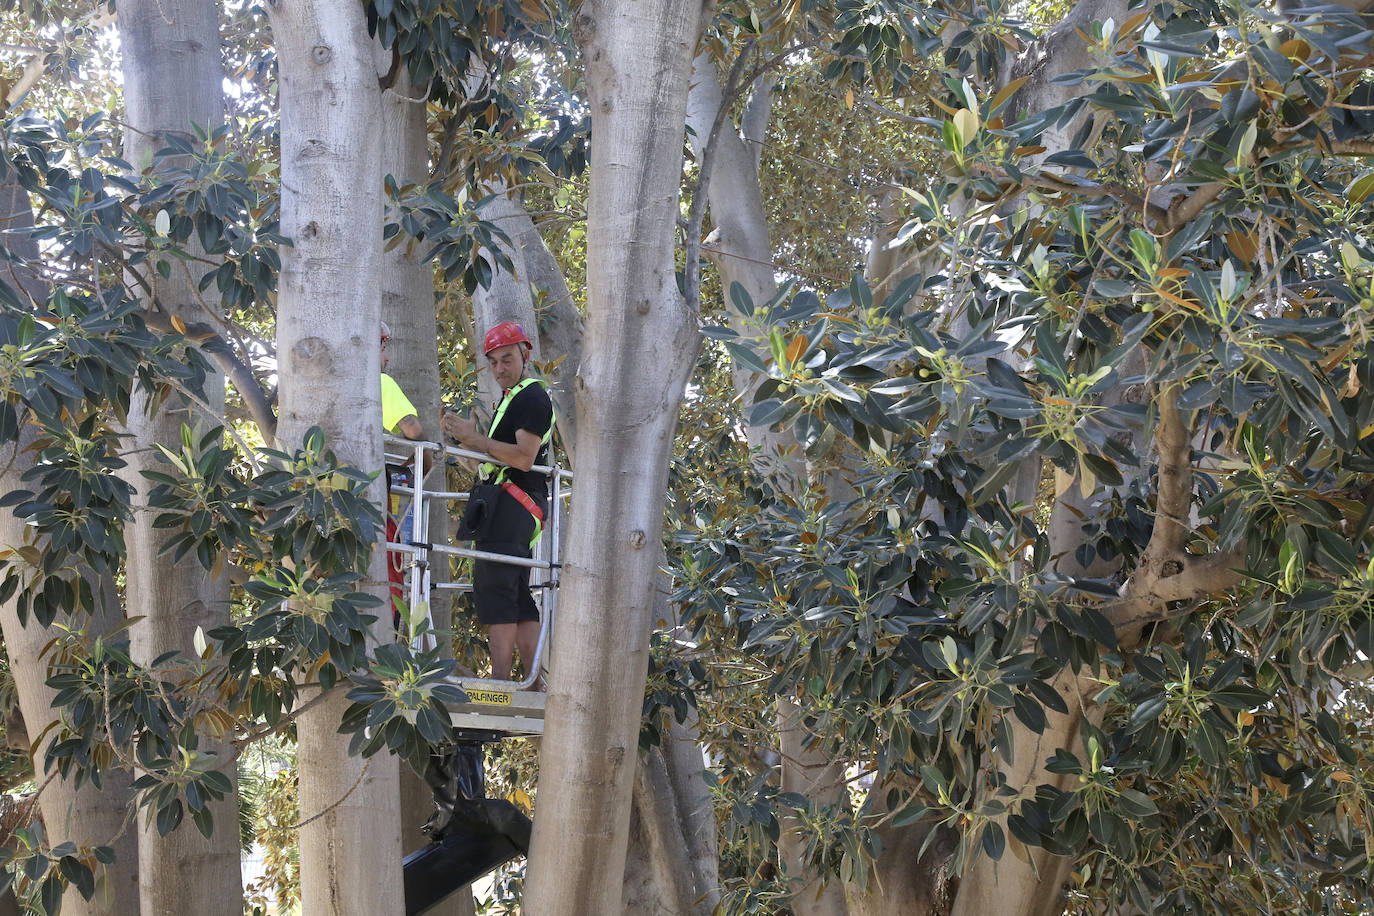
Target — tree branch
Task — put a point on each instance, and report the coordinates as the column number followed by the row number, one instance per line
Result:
column 1058, row 185
column 1167, row 573
column 1175, row 495
column 1196, row 577
column 1185, row 209
column 1354, row 148
column 239, row 374
column 753, row 124
column 37, row 64
column 695, row 216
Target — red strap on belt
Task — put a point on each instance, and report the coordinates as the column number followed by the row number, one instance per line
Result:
column 523, row 499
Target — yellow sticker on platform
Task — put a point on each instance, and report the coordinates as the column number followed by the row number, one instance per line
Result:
column 489, row 697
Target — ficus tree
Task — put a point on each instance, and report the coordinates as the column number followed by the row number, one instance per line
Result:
column 1124, row 260
column 1084, row 689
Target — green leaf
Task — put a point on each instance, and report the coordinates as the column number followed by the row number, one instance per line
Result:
column 1360, row 188
column 966, row 124
column 744, row 303
column 1135, row 804
column 994, row 841
column 746, row 357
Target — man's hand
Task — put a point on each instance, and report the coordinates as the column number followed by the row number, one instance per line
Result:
column 460, row 428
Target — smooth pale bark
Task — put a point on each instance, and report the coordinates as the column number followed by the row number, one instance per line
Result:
column 812, row 774
column 1014, row 886
column 85, row 816
column 172, row 85
column 672, row 867
column 739, row 246
column 1034, row 885
column 508, row 298
column 562, row 328
column 641, row 345
column 538, row 281
column 671, row 863
column 911, row 877
column 327, row 332
column 407, row 306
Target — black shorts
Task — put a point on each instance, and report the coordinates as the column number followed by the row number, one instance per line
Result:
column 501, row 591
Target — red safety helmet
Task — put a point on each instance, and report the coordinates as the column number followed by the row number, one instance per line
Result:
column 503, row 335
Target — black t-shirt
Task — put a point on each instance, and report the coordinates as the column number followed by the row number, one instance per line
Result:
column 531, row 409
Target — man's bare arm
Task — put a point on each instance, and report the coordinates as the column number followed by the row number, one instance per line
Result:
column 519, row 455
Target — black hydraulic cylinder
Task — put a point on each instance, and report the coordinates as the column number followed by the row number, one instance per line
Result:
column 470, row 835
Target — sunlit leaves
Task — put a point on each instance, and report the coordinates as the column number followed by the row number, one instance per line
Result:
column 1173, row 230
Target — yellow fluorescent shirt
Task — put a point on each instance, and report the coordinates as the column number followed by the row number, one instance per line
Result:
column 395, row 405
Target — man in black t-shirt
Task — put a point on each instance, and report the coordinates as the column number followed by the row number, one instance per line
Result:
column 517, row 440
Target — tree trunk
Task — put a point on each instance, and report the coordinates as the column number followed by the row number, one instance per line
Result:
column 642, row 343
column 328, row 358
column 906, row 881
column 741, row 249
column 672, row 869
column 739, row 246
column 812, row 774
column 172, row 85
column 1031, row 886
column 407, row 306
column 509, row 298
column 84, row 816
column 560, row 334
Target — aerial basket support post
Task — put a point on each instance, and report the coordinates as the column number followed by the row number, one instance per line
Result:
column 469, row 833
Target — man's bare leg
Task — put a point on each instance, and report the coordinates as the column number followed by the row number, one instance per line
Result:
column 501, row 638
column 527, row 637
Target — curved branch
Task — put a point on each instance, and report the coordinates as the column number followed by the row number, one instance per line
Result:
column 695, row 216
column 1167, row 573
column 1185, row 209
column 1196, row 577
column 1175, row 497
column 238, row 372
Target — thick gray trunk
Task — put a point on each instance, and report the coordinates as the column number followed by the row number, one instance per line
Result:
column 561, row 332
column 407, row 305
column 1014, row 885
column 1033, row 885
column 809, row 772
column 672, row 866
column 84, row 816
column 908, row 880
column 406, row 284
column 739, row 245
column 172, row 85
column 741, row 250
column 327, row 332
column 642, row 344
column 509, row 298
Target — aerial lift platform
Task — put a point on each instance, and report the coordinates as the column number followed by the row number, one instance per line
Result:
column 469, row 833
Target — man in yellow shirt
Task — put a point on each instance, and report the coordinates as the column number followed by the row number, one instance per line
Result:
column 399, row 417
column 398, row 414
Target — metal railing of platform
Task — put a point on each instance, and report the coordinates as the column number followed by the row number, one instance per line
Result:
column 416, row 500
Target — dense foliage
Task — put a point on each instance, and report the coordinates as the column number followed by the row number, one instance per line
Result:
column 1170, row 315
column 1103, row 448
